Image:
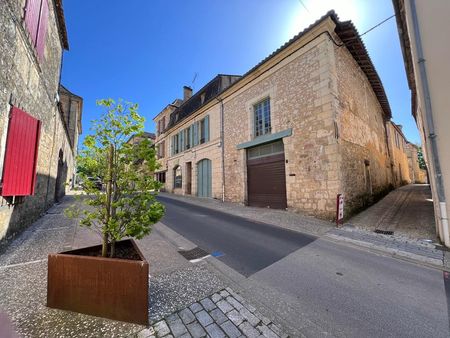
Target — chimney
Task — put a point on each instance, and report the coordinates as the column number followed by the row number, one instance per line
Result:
column 187, row 93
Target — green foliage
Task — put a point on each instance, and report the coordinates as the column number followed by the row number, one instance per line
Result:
column 117, row 175
column 420, row 158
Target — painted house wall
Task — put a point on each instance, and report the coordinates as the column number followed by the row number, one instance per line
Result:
column 433, row 26
column 209, row 150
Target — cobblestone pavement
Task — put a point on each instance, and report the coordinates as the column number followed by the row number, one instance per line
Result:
column 176, row 285
column 419, row 250
column 223, row 314
column 407, row 211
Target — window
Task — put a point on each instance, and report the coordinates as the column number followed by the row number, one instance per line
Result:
column 203, row 127
column 177, row 177
column 175, row 144
column 262, row 118
column 22, row 143
column 161, row 177
column 187, row 137
column 36, row 19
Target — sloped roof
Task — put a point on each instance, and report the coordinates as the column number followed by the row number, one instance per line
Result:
column 202, row 97
column 349, row 36
column 61, row 23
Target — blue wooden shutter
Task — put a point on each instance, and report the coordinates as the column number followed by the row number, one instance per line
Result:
column 207, row 128
column 195, row 134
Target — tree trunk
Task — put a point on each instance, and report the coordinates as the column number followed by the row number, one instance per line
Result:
column 108, row 200
column 113, row 248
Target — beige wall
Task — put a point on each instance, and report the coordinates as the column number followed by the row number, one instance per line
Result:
column 210, row 150
column 300, row 99
column 434, row 31
column 365, row 171
column 399, row 155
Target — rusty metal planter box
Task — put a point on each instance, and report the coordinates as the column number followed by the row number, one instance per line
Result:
column 104, row 287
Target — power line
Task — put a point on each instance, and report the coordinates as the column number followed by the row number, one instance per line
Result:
column 379, row 24
column 301, row 1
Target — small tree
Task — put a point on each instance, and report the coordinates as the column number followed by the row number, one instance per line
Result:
column 126, row 206
column 420, row 158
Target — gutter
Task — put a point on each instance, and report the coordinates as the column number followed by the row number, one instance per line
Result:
column 444, row 230
column 222, row 152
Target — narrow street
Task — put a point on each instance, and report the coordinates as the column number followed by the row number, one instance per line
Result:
column 344, row 291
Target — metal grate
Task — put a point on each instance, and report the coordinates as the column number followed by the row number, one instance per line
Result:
column 195, row 253
column 384, row 232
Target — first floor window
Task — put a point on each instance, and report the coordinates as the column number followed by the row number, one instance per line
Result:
column 177, row 177
column 262, row 117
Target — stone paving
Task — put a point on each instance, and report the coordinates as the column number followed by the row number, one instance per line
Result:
column 223, row 314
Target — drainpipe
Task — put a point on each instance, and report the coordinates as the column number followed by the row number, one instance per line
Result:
column 429, row 117
column 222, row 146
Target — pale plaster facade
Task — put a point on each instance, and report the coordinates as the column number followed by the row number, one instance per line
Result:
column 424, row 29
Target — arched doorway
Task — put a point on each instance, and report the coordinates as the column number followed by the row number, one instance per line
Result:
column 61, row 176
column 204, row 186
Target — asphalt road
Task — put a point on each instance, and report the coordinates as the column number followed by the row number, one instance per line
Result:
column 244, row 245
column 342, row 290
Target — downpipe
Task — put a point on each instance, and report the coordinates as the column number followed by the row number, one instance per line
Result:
column 443, row 230
column 444, row 221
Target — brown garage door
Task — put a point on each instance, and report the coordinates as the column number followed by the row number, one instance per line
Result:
column 267, row 182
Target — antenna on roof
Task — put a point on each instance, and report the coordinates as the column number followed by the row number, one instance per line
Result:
column 193, row 80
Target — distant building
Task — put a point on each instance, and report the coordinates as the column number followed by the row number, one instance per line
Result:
column 399, row 154
column 424, row 30
column 416, row 174
column 38, row 128
column 305, row 124
column 145, row 135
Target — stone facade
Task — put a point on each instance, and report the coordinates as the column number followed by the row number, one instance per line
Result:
column 399, row 154
column 329, row 112
column 31, row 83
column 416, row 174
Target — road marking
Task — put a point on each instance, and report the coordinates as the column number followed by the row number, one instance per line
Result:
column 199, row 259
column 20, row 264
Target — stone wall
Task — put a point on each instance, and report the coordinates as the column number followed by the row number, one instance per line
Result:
column 365, row 171
column 399, row 157
column 301, row 98
column 31, row 85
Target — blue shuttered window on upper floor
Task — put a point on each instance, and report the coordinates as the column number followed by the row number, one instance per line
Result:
column 206, row 126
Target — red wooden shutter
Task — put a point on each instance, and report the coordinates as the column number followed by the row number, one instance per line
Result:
column 19, row 167
column 42, row 29
column 32, row 12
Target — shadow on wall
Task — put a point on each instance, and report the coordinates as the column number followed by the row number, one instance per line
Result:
column 16, row 218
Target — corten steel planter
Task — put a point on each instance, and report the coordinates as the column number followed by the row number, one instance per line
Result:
column 105, row 287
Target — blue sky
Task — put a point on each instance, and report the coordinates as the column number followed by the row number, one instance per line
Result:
column 146, row 51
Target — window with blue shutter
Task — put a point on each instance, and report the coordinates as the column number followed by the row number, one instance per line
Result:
column 207, row 128
column 195, row 133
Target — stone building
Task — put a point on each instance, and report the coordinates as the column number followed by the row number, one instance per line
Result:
column 399, row 154
column 189, row 141
column 417, row 174
column 38, row 132
column 305, row 124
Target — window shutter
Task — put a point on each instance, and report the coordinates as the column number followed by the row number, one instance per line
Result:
column 22, row 143
column 163, row 149
column 195, row 126
column 179, row 143
column 207, row 128
column 163, row 124
column 172, row 151
column 42, row 29
column 32, row 12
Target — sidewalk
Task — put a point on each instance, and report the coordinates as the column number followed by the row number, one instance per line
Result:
column 186, row 299
column 398, row 245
